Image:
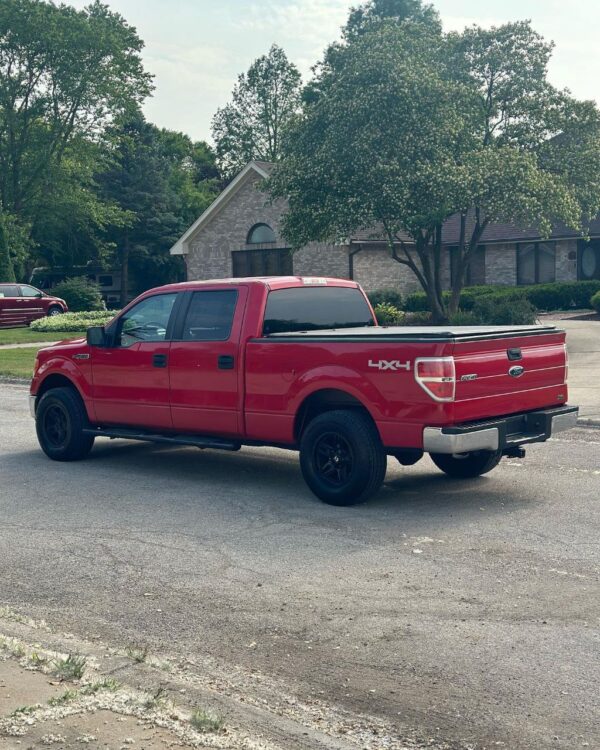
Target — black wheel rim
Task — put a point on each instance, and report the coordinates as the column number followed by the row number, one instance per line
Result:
column 56, row 425
column 334, row 459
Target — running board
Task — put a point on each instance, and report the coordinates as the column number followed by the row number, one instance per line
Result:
column 195, row 440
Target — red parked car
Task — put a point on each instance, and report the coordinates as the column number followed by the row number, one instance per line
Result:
column 21, row 303
column 301, row 363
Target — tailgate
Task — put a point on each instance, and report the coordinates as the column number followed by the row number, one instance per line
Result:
column 505, row 375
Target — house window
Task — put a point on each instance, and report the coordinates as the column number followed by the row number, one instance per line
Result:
column 588, row 260
column 475, row 272
column 275, row 262
column 260, row 234
column 536, row 263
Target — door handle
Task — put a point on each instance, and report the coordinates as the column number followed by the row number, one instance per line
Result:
column 159, row 360
column 226, row 362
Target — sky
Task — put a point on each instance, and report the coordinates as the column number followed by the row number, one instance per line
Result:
column 197, row 48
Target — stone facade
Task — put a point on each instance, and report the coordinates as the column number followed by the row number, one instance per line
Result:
column 210, row 250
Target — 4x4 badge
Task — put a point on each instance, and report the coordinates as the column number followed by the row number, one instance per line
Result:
column 516, row 372
column 394, row 364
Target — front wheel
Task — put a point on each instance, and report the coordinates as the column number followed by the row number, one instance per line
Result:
column 467, row 465
column 341, row 457
column 60, row 419
column 53, row 311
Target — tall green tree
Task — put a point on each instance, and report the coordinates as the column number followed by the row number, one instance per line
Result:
column 263, row 102
column 161, row 181
column 7, row 272
column 64, row 74
column 409, row 127
column 365, row 17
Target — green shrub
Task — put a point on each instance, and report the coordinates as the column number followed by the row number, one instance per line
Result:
column 80, row 294
column 416, row 302
column 387, row 297
column 388, row 315
column 595, row 302
column 503, row 311
column 417, row 319
column 73, row 322
column 464, row 318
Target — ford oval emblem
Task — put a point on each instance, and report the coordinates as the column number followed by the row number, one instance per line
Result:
column 516, row 371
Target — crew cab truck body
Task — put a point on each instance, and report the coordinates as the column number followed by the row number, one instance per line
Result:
column 301, row 363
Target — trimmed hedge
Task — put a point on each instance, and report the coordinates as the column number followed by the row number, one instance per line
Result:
column 595, row 302
column 73, row 322
column 561, row 295
column 386, row 297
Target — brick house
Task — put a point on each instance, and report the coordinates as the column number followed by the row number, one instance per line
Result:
column 239, row 235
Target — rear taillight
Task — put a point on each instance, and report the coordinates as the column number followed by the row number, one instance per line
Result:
column 437, row 377
column 566, row 364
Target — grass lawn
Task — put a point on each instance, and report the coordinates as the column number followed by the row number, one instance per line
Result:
column 27, row 336
column 18, row 363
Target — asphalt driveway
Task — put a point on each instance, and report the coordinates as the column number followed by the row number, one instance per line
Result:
column 462, row 611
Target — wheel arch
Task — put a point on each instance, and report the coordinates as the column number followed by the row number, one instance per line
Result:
column 324, row 400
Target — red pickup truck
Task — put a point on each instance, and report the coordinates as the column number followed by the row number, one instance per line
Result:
column 301, row 363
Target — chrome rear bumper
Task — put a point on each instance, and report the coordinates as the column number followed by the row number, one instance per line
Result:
column 32, row 403
column 500, row 434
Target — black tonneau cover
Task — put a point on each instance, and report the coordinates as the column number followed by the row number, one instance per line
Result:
column 413, row 333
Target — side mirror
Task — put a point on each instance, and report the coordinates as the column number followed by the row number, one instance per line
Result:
column 39, row 295
column 96, row 336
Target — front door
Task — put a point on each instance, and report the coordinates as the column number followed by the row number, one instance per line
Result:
column 32, row 305
column 206, row 373
column 131, row 378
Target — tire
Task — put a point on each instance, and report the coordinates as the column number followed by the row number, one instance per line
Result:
column 53, row 311
column 467, row 465
column 60, row 419
column 350, row 439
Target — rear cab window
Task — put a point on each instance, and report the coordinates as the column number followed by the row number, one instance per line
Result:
column 315, row 308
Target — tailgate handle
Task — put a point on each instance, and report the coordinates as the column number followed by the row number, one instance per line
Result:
column 514, row 355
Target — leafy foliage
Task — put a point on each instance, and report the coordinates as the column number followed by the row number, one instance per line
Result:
column 365, row 17
column 80, row 294
column 388, row 315
column 405, row 126
column 264, row 101
column 595, row 301
column 72, row 322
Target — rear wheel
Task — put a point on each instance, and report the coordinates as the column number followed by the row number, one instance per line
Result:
column 342, row 459
column 467, row 465
column 60, row 419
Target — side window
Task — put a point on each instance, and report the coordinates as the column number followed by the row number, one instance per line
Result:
column 9, row 291
column 29, row 291
column 146, row 321
column 210, row 316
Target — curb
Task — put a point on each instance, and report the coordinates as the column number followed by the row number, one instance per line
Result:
column 14, row 381
column 586, row 422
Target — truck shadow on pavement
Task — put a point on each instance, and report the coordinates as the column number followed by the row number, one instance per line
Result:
column 266, row 481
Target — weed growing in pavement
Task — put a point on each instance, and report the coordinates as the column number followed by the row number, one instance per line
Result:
column 206, row 721
column 71, row 668
column 24, row 710
column 139, row 654
column 66, row 697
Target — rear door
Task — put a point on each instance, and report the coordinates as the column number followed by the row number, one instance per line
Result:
column 32, row 303
column 131, row 378
column 205, row 367
column 11, row 308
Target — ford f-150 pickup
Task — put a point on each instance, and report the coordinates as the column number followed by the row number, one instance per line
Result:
column 301, row 363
